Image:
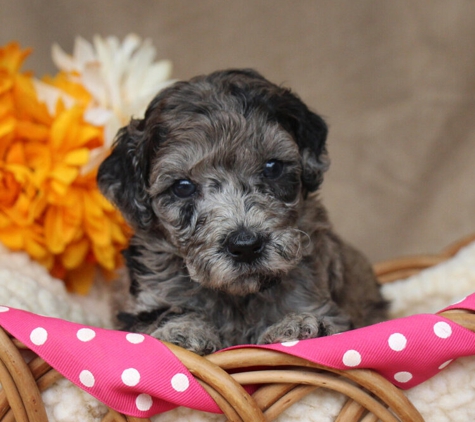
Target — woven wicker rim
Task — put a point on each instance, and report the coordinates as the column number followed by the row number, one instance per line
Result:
column 285, row 380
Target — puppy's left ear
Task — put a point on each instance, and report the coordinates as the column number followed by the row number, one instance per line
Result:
column 310, row 132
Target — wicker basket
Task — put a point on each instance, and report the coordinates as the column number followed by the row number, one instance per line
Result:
column 285, row 379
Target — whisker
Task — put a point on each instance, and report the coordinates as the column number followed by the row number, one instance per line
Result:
column 309, row 239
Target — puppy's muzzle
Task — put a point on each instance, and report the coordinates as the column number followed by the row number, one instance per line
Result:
column 244, row 246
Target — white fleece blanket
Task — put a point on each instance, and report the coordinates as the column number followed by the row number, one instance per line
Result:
column 449, row 396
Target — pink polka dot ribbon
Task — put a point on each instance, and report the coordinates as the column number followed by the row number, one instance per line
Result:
column 406, row 351
column 137, row 375
column 134, row 374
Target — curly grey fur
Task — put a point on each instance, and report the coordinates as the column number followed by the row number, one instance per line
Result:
column 219, row 131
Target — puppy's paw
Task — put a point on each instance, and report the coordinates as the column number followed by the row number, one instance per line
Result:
column 198, row 338
column 300, row 327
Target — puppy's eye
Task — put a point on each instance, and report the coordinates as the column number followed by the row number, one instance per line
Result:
column 183, row 188
column 273, row 169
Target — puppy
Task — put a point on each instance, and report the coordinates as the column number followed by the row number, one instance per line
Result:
column 231, row 243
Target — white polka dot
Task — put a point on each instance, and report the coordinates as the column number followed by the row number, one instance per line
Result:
column 351, row 358
column 445, row 364
column 130, row 377
column 86, row 334
column 135, row 338
column 39, row 336
column 397, row 342
column 442, row 329
column 86, row 378
column 289, row 343
column 403, row 376
column 180, row 382
column 143, row 402
column 4, row 309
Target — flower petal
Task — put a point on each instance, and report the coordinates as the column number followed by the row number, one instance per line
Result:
column 64, row 173
column 74, row 254
column 105, row 256
column 61, row 59
column 64, row 128
column 97, row 116
column 26, row 101
column 53, row 230
column 78, row 157
column 12, row 57
column 31, row 131
column 80, row 280
column 83, row 52
column 35, row 248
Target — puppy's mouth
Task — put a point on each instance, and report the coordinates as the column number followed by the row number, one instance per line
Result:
column 247, row 265
column 236, row 280
column 246, row 285
column 257, row 273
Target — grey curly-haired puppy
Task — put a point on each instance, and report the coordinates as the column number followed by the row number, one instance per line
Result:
column 231, row 245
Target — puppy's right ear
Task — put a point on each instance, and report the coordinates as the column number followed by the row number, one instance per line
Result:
column 123, row 176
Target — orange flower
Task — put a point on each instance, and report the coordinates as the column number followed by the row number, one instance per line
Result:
column 12, row 58
column 47, row 207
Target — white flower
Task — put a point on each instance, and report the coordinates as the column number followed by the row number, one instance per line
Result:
column 121, row 77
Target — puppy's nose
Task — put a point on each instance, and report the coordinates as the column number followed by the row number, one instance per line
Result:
column 244, row 246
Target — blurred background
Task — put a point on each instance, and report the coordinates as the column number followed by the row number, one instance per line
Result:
column 394, row 80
